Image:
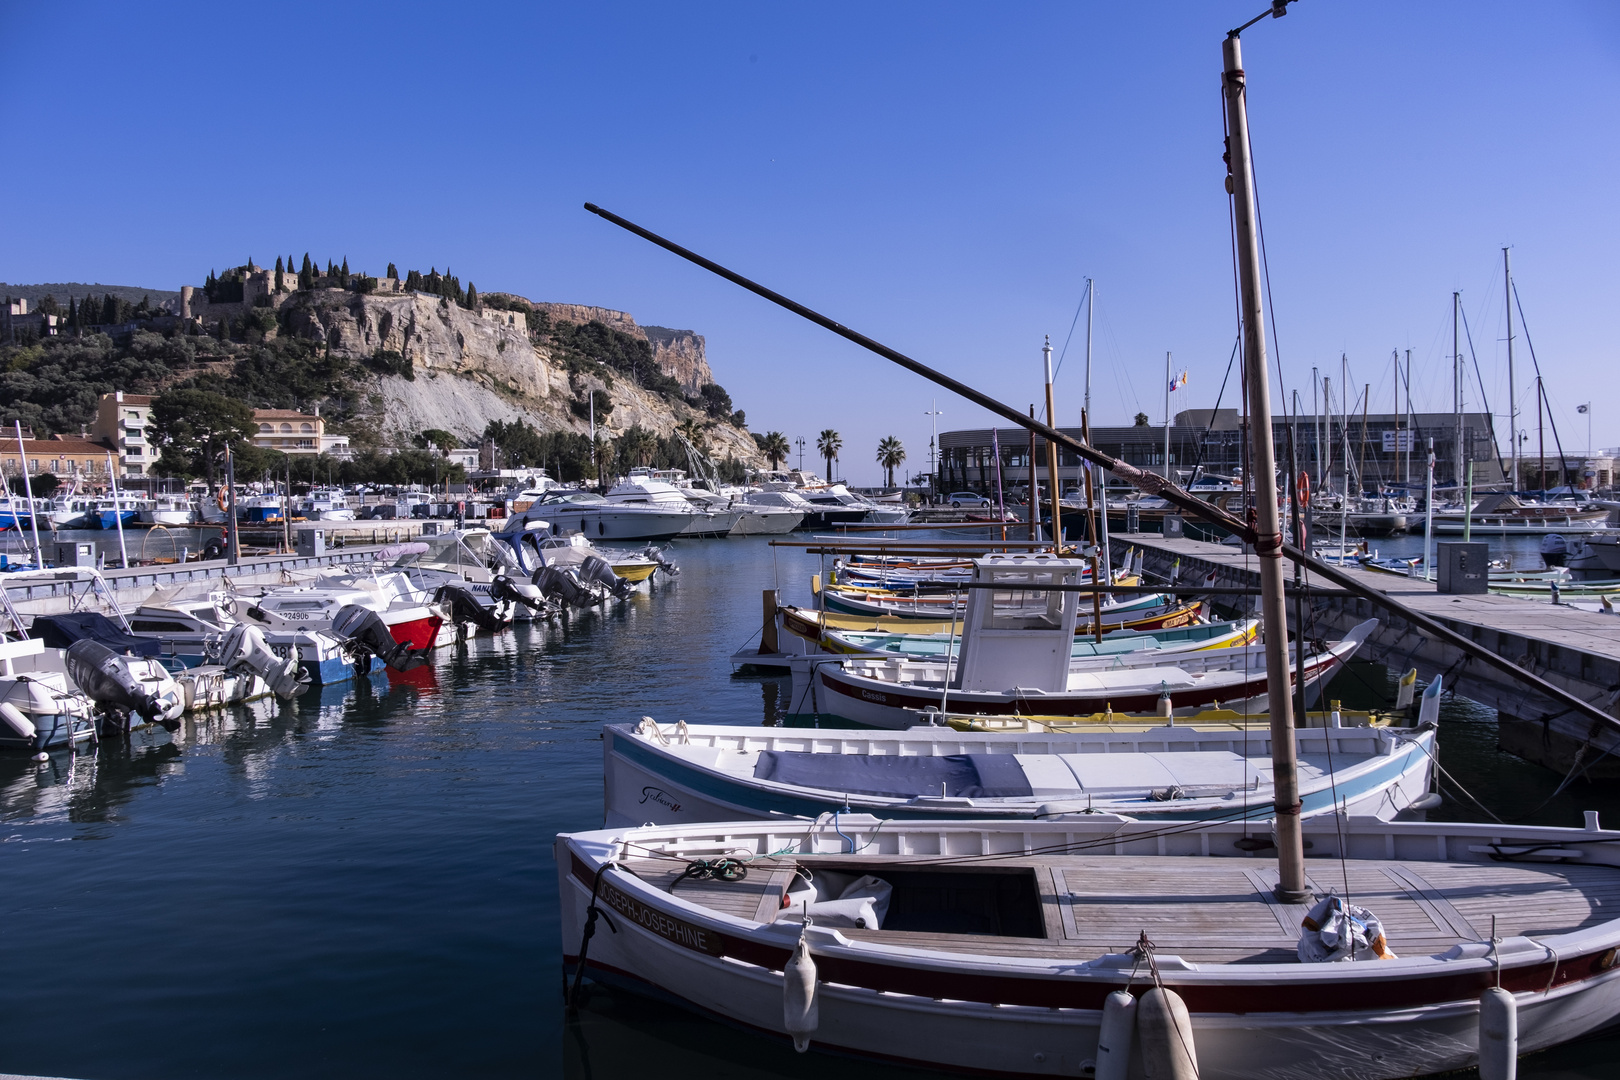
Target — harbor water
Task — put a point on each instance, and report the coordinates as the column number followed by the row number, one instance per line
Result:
column 360, row 882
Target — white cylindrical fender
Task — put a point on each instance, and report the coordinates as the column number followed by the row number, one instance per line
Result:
column 17, row 720
column 1113, row 1061
column 1498, row 1035
column 1167, row 1036
column 801, row 1015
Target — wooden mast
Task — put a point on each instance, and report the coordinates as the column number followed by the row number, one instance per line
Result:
column 1262, row 457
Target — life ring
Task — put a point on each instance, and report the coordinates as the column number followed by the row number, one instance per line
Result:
column 1302, row 488
column 224, row 503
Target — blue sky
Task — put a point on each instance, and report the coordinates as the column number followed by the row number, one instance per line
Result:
column 942, row 177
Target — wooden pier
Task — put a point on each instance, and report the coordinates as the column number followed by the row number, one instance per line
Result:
column 1576, row 650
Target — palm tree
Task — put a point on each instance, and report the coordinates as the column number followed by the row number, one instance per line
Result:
column 829, row 442
column 775, row 448
column 891, row 454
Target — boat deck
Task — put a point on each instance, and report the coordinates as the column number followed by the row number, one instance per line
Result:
column 1203, row 909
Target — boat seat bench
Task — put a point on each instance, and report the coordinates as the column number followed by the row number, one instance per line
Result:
column 1204, row 909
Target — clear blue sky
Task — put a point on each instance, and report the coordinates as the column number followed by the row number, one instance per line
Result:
column 942, row 177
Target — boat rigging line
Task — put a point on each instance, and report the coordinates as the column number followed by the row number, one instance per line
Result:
column 1148, row 482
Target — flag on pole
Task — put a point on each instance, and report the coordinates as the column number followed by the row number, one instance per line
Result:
column 1178, row 383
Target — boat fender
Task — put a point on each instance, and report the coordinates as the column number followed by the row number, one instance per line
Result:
column 801, row 1014
column 1167, row 1036
column 1406, row 690
column 15, row 719
column 1498, row 1035
column 1430, row 801
column 1113, row 1061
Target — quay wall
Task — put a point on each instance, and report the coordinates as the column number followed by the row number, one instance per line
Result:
column 1577, row 651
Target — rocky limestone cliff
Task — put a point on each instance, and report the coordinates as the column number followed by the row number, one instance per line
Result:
column 473, row 367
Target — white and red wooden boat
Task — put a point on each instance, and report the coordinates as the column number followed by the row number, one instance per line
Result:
column 991, row 948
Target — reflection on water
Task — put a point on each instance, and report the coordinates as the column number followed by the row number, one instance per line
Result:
column 360, row 881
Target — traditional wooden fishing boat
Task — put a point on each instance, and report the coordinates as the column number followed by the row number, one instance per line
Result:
column 1175, row 772
column 807, row 622
column 1138, row 611
column 1199, row 638
column 994, row 948
column 1016, row 657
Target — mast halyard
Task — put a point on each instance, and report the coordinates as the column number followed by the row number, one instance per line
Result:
column 1268, row 531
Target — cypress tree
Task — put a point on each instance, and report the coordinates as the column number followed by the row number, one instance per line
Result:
column 306, row 274
column 224, row 329
column 109, row 309
column 472, row 296
column 73, row 312
column 343, row 273
column 393, row 272
column 278, row 264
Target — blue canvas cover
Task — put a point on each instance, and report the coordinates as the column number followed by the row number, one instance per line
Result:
column 964, row 776
column 61, row 631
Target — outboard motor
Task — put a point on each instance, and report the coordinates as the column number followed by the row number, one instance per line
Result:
column 1554, row 549
column 465, row 608
column 244, row 647
column 656, row 554
column 596, row 570
column 111, row 682
column 505, row 589
column 555, row 582
column 364, row 629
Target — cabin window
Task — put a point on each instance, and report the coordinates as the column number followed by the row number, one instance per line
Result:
column 159, row 626
column 999, row 901
column 1026, row 606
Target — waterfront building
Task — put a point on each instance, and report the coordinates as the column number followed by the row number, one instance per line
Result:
column 1210, row 441
column 121, row 422
column 293, row 432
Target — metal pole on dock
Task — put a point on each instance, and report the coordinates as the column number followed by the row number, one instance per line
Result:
column 1263, row 458
column 1428, row 518
column 1102, row 477
column 1468, row 505
column 1034, row 487
column 1051, row 448
column 1167, row 385
column 1096, row 541
column 233, row 545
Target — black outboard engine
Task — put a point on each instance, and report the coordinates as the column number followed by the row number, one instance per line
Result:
column 364, row 629
column 596, row 570
column 555, row 582
column 465, row 608
column 111, row 682
column 1554, row 549
column 503, row 588
column 656, row 554
column 244, row 647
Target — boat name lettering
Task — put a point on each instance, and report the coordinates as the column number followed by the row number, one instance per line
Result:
column 659, row 796
column 873, row 695
column 665, row 926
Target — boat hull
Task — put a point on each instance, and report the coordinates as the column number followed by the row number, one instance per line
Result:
column 983, row 1008
column 620, row 525
column 645, row 784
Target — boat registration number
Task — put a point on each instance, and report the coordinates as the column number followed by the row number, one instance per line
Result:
column 665, row 926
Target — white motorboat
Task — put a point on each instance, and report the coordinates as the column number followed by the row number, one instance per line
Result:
column 470, row 566
column 588, row 513
column 326, row 504
column 836, row 497
column 40, row 708
column 167, row 508
column 680, row 773
column 411, row 619
column 784, row 502
column 643, row 487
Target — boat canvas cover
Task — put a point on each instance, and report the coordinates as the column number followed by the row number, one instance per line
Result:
column 964, row 776
column 61, row 631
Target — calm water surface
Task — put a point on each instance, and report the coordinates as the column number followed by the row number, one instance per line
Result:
column 360, row 882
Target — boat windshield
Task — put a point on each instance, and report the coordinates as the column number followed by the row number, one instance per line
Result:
column 555, row 497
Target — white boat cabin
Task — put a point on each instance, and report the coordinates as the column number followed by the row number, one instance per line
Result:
column 1017, row 630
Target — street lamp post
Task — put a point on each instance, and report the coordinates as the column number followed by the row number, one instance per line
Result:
column 799, row 442
column 933, row 414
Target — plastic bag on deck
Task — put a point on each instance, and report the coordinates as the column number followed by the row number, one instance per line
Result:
column 1334, row 931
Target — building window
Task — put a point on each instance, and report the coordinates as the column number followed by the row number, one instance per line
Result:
column 266, row 427
column 286, row 429
column 307, row 429
column 133, row 451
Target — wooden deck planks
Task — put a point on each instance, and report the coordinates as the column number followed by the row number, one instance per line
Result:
column 1220, row 910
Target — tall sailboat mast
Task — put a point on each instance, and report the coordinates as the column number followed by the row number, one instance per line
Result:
column 1262, row 458
column 1100, row 485
column 1513, row 391
column 1457, row 386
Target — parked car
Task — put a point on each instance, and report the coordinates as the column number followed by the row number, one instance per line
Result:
column 959, row 499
